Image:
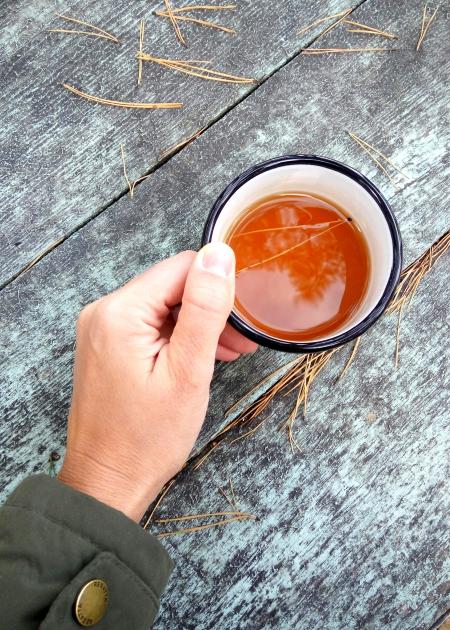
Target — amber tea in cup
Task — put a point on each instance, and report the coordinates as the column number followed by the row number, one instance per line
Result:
column 318, row 251
column 302, row 266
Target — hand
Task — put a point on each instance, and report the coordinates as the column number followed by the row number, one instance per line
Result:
column 141, row 381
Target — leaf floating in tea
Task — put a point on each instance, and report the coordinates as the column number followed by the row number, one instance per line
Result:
column 290, row 249
column 302, row 266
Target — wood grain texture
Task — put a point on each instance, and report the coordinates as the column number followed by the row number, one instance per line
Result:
column 371, row 540
column 352, row 532
column 38, row 311
column 60, row 154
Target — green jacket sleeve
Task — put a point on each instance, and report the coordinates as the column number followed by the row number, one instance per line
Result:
column 54, row 541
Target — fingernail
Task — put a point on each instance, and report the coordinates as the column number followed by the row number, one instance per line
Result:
column 217, row 258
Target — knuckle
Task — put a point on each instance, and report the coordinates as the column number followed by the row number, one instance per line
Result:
column 108, row 311
column 100, row 320
column 84, row 316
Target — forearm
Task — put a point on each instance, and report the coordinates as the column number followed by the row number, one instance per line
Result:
column 55, row 540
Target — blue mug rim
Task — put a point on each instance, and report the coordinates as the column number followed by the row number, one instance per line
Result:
column 325, row 344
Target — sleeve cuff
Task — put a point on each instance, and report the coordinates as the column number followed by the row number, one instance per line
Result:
column 131, row 561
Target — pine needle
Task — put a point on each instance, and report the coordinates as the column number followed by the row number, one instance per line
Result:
column 369, row 30
column 249, row 433
column 105, row 101
column 184, row 142
column 306, row 226
column 426, row 23
column 138, row 181
column 364, row 31
column 382, row 155
column 413, row 275
column 231, row 501
column 174, row 22
column 397, row 336
column 71, row 31
column 332, row 26
column 40, row 256
column 125, row 174
column 350, row 359
column 321, row 20
column 264, row 380
column 196, row 69
column 203, row 458
column 162, row 494
column 198, row 63
column 141, row 49
column 234, row 502
column 206, row 23
column 311, row 368
column 193, row 517
column 190, row 530
column 375, row 159
column 131, row 184
column 205, row 7
column 92, row 26
column 373, row 153
column 326, row 51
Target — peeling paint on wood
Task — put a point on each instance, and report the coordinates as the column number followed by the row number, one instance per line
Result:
column 352, row 532
column 61, row 158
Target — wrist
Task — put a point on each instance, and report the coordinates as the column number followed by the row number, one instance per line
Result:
column 116, row 488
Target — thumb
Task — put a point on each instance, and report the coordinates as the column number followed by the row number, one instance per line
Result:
column 206, row 304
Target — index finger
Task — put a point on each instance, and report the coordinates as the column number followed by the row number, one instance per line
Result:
column 160, row 287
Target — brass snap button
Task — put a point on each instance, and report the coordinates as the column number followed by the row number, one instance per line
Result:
column 91, row 603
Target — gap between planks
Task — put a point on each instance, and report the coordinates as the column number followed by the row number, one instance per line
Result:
column 161, row 161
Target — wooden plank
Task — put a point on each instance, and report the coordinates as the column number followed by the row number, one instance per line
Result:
column 38, row 311
column 61, row 158
column 352, row 532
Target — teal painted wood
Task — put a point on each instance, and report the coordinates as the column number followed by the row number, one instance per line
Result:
column 304, row 107
column 38, row 311
column 352, row 532
column 61, row 158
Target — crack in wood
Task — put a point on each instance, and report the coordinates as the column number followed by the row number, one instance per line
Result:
column 164, row 159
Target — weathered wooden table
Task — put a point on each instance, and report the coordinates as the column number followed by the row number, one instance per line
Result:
column 352, row 532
